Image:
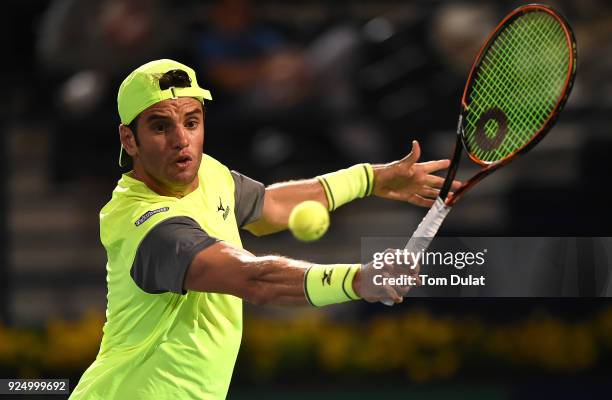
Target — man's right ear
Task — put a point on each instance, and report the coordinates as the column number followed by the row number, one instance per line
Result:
column 128, row 140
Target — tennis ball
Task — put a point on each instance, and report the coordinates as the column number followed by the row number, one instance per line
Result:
column 309, row 220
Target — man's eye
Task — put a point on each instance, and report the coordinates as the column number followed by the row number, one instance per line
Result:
column 191, row 124
column 159, row 128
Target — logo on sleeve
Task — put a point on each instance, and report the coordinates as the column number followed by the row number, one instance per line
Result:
column 149, row 214
column 327, row 274
column 225, row 210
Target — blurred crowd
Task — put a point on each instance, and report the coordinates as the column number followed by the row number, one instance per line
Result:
column 293, row 84
column 299, row 84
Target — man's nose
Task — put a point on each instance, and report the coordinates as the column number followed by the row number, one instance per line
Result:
column 181, row 137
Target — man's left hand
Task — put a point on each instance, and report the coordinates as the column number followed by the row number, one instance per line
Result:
column 407, row 180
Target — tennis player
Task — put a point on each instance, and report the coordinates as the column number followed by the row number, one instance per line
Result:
column 177, row 272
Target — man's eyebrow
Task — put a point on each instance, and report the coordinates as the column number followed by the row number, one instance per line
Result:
column 194, row 111
column 155, row 117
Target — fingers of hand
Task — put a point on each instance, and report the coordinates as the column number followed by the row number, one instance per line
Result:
column 387, row 294
column 390, row 270
column 415, row 153
column 437, row 181
column 428, row 192
column 420, row 201
column 433, row 181
column 433, row 166
column 393, row 294
column 403, row 290
column 398, row 279
column 414, row 281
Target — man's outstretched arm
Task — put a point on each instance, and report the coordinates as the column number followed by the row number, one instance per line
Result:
column 274, row 280
column 403, row 180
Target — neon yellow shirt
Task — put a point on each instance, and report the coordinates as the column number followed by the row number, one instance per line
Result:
column 164, row 346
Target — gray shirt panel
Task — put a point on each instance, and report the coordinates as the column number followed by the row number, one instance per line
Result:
column 249, row 199
column 165, row 253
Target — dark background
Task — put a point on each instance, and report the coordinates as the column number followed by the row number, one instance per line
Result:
column 303, row 88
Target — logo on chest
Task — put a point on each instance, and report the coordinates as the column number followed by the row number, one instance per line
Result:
column 149, row 214
column 223, row 209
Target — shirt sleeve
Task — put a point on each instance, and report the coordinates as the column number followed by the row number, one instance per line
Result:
column 249, row 199
column 165, row 253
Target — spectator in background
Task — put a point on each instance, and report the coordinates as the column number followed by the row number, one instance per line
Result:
column 83, row 47
column 458, row 31
column 241, row 55
column 281, row 97
column 262, row 76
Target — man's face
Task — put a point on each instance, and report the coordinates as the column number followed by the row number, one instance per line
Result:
column 170, row 144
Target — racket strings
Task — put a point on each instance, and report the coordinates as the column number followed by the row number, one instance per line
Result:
column 523, row 74
column 504, row 89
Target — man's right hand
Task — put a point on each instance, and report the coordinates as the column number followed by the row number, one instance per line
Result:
column 374, row 284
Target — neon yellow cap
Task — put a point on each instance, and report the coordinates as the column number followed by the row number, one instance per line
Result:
column 141, row 89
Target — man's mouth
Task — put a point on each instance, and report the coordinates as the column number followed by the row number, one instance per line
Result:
column 183, row 161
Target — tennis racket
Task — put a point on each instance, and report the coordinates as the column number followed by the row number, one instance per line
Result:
column 517, row 87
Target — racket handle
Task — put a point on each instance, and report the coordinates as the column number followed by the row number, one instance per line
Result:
column 426, row 231
column 428, row 228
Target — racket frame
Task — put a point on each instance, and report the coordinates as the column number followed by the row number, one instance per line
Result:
column 460, row 144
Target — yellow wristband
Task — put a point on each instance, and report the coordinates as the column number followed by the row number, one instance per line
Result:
column 347, row 184
column 330, row 284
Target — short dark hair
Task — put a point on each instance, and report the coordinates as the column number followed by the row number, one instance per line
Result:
column 174, row 78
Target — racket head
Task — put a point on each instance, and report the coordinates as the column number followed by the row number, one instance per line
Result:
column 519, row 83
